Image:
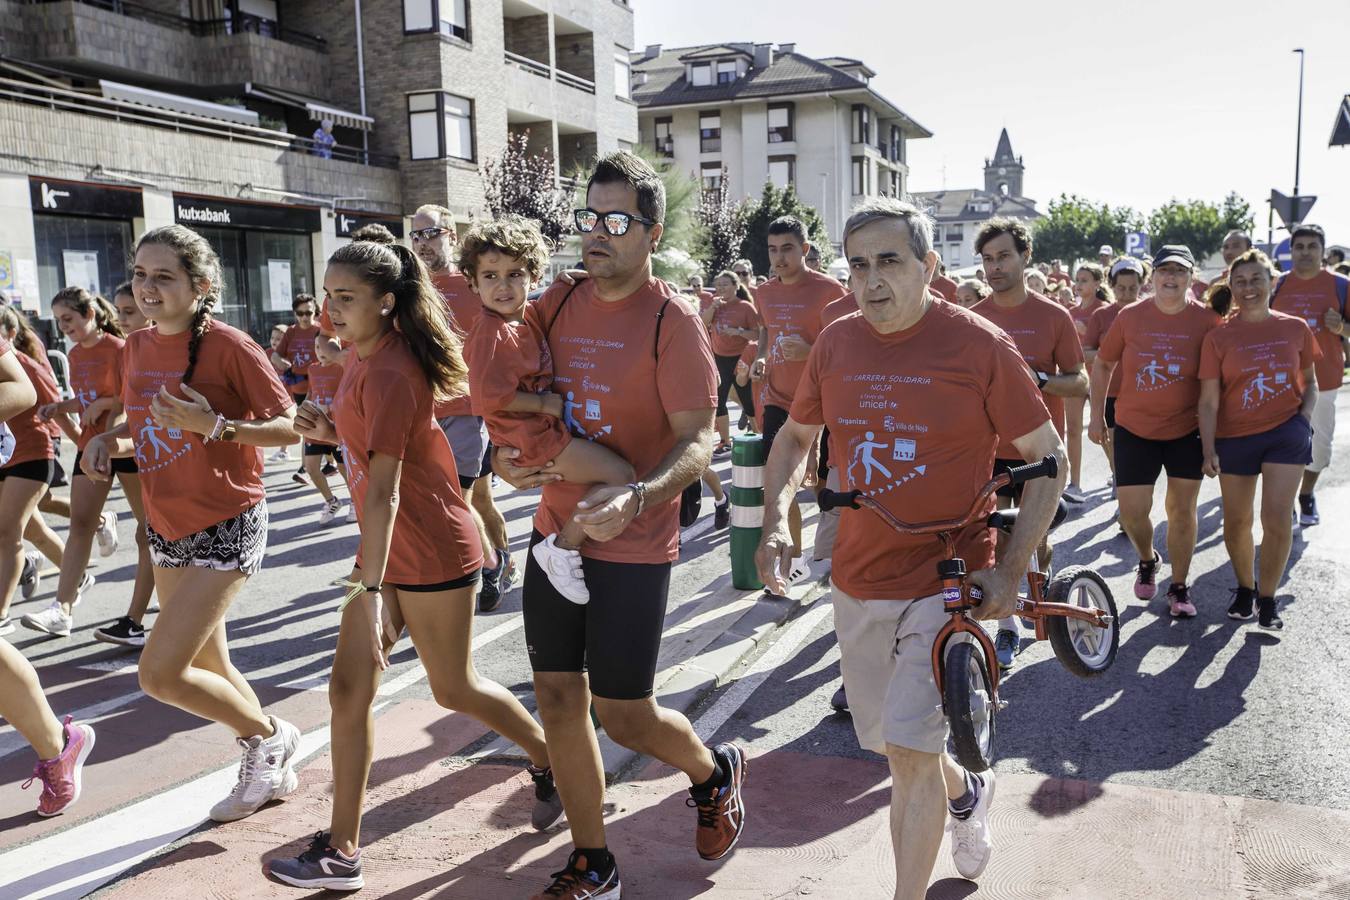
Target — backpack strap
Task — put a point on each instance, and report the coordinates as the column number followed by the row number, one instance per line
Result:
column 1342, row 291
column 557, row 312
column 661, row 314
column 1279, row 283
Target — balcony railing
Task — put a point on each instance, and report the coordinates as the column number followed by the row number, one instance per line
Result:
column 123, row 111
column 543, row 70
column 240, row 24
column 570, row 80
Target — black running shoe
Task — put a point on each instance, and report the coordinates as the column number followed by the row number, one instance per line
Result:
column 1266, row 616
column 840, row 700
column 580, row 882
column 548, row 807
column 1307, row 511
column 124, row 632
column 722, row 513
column 320, row 867
column 329, row 469
column 489, row 594
column 1241, row 608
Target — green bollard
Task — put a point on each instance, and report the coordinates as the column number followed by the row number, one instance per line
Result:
column 747, row 509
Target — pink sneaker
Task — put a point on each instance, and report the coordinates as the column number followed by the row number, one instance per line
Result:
column 61, row 776
column 1146, row 581
column 1179, row 602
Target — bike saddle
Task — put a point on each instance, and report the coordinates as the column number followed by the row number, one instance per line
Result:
column 1005, row 519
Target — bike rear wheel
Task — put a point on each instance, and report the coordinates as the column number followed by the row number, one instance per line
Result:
column 1083, row 648
column 969, row 697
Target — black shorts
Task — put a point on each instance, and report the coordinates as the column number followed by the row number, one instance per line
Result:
column 726, row 377
column 1139, row 461
column 40, row 470
column 323, row 450
column 775, row 417
column 1013, row 491
column 58, row 470
column 823, row 470
column 616, row 637
column 453, row 584
column 1287, row 444
column 1110, row 412
column 121, row 465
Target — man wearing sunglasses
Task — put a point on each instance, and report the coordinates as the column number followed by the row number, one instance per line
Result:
column 433, row 240
column 637, row 366
column 293, row 357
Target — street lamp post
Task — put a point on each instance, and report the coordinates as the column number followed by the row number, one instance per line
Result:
column 1298, row 139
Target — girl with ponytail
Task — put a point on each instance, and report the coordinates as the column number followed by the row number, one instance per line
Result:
column 195, row 439
column 420, row 557
column 90, row 323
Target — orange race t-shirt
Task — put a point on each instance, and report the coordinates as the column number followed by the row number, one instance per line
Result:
column 1082, row 316
column 914, row 418
column 1097, row 327
column 835, row 310
column 384, row 406
column 1259, row 366
column 188, row 484
column 619, row 386
column 96, row 372
column 297, row 345
column 464, row 307
column 323, row 383
column 1160, row 355
column 736, row 314
column 32, row 438
column 943, row 286
column 1045, row 336
column 791, row 309
column 1309, row 299
column 505, row 357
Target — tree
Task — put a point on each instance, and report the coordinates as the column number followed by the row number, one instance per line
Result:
column 1197, row 224
column 1076, row 227
column 725, row 225
column 773, row 203
column 524, row 183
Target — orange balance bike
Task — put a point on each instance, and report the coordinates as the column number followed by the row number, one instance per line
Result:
column 1075, row 610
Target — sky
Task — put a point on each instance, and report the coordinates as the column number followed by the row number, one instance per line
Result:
column 1180, row 99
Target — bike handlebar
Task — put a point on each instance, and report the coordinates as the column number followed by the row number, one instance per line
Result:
column 1046, row 468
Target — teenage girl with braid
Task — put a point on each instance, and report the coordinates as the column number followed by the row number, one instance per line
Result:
column 200, row 399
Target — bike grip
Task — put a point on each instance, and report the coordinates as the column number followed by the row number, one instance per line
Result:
column 828, row 500
column 1046, row 468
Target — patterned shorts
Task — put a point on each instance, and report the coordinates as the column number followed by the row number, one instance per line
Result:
column 237, row 543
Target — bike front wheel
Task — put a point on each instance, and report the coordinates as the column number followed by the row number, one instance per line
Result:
column 1085, row 649
column 968, row 694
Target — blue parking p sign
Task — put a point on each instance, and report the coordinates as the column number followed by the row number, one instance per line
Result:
column 1136, row 244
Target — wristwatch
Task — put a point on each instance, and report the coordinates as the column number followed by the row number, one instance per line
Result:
column 639, row 488
column 229, row 431
column 1041, row 379
column 371, row 588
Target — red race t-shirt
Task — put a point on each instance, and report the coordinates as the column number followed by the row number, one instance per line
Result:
column 915, row 417
column 944, row 287
column 619, row 386
column 189, row 485
column 1045, row 336
column 1259, row 366
column 1160, row 354
column 297, row 345
column 1097, row 327
column 384, row 406
column 464, row 307
column 1082, row 315
column 835, row 310
column 505, row 357
column 323, row 383
column 1309, row 299
column 791, row 309
column 32, row 438
column 736, row 314
column 96, row 372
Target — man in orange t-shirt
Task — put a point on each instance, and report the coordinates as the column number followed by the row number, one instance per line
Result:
column 1318, row 297
column 790, row 308
column 293, row 357
column 634, row 366
column 916, row 393
column 433, row 239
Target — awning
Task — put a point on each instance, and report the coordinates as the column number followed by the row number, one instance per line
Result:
column 114, row 90
column 317, row 111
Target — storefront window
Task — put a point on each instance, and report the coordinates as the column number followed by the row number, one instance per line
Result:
column 89, row 253
column 263, row 272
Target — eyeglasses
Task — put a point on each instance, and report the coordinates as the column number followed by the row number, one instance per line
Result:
column 616, row 223
column 428, row 234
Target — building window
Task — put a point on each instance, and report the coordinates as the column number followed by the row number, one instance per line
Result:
column 712, row 175
column 623, row 76
column 954, row 254
column 665, row 137
column 709, row 132
column 781, row 122
column 726, row 71
column 896, row 190
column 783, row 171
column 440, row 125
column 862, row 124
column 862, row 176
column 700, row 75
column 897, row 144
column 956, row 232
column 449, row 17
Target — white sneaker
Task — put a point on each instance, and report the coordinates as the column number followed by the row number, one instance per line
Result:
column 85, row 584
column 972, row 844
column 52, row 620
column 107, row 534
column 330, row 511
column 265, row 772
column 280, row 455
column 800, row 572
column 31, row 576
column 351, row 511
column 563, row 568
column 6, row 625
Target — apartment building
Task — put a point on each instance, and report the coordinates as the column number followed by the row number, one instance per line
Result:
column 278, row 128
column 768, row 113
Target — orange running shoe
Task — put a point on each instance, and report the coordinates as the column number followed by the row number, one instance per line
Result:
column 721, row 814
column 578, row 882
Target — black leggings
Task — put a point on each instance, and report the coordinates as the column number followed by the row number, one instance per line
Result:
column 726, row 380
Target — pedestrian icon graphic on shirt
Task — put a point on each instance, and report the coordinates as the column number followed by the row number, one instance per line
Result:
column 569, row 416
column 150, row 436
column 863, row 453
column 1257, row 390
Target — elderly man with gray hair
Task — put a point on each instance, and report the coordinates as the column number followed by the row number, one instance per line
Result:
column 915, row 393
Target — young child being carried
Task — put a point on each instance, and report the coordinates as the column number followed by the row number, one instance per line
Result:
column 510, row 372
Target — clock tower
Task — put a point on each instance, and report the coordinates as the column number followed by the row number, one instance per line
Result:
column 1003, row 174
